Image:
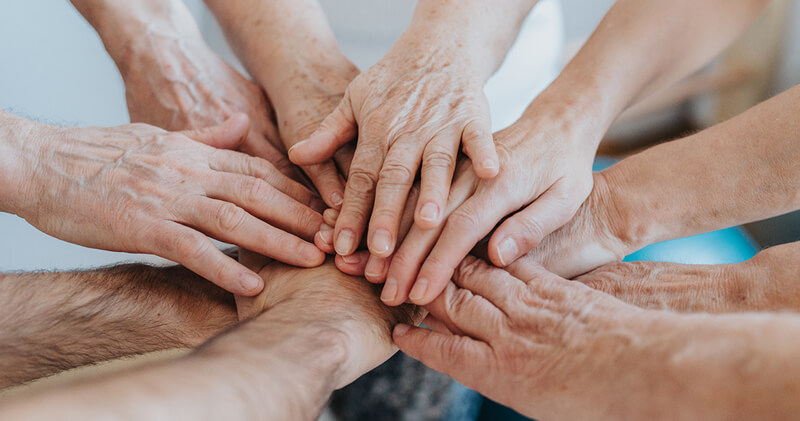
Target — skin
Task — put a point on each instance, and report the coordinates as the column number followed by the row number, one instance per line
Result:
column 140, row 189
column 319, row 331
column 751, row 177
column 541, row 343
column 98, row 315
column 289, row 48
column 546, row 156
column 173, row 80
column 768, row 282
column 412, row 111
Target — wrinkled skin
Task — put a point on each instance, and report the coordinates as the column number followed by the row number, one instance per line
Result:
column 411, row 110
column 178, row 83
column 545, row 175
column 347, row 305
column 541, row 342
column 765, row 283
column 138, row 188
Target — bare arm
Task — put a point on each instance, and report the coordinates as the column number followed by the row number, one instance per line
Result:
column 51, row 322
column 555, row 349
column 320, row 330
column 739, row 171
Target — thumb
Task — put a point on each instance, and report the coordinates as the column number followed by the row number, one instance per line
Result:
column 228, row 135
column 337, row 129
column 525, row 230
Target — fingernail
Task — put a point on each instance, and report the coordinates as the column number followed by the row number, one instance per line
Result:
column 389, row 290
column 401, row 329
column 300, row 143
column 250, row 282
column 326, row 234
column 345, row 242
column 352, row 259
column 336, row 199
column 507, row 251
column 429, row 212
column 418, row 292
column 375, row 268
column 489, row 164
column 381, row 242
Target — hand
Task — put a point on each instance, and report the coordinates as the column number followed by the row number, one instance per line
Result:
column 140, row 189
column 177, row 83
column 301, row 104
column 415, row 107
column 335, row 302
column 538, row 345
column 768, row 282
column 545, row 171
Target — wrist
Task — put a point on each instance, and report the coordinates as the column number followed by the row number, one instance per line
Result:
column 130, row 30
column 19, row 140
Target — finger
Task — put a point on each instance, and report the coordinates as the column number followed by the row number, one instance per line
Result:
column 418, row 243
column 337, row 129
column 438, row 164
column 329, row 216
column 375, row 269
column 436, row 325
column 394, row 183
column 479, row 146
column 239, row 163
column 230, row 134
column 495, row 285
column 464, row 228
column 343, row 157
column 359, row 195
column 194, row 250
column 324, row 239
column 232, row 224
column 456, row 356
column 325, row 177
column 352, row 264
column 522, row 232
column 465, row 312
column 253, row 260
column 258, row 145
column 265, row 202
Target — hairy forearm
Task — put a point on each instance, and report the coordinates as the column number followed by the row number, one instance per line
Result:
column 736, row 172
column 641, row 47
column 281, row 42
column 50, row 322
column 717, row 367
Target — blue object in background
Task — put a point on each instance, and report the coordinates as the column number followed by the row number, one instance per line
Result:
column 730, row 245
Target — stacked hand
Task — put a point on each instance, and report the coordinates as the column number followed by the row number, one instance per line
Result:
column 141, row 189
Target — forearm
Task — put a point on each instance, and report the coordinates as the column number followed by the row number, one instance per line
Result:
column 132, row 29
column 640, row 47
column 282, row 42
column 478, row 32
column 736, row 172
column 50, row 322
column 717, row 367
column 15, row 134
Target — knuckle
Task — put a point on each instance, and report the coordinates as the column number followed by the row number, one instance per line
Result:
column 229, row 217
column 532, row 231
column 468, row 268
column 190, row 247
column 438, row 159
column 255, row 190
column 396, row 174
column 463, row 220
column 361, row 182
column 459, row 303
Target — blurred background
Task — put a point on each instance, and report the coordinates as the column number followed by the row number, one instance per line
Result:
column 54, row 69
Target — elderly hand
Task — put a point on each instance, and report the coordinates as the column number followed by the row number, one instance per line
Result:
column 536, row 344
column 338, row 303
column 545, row 175
column 137, row 188
column 767, row 282
column 414, row 108
column 174, row 81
